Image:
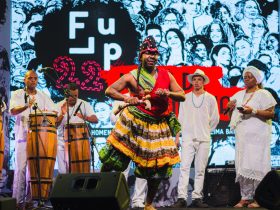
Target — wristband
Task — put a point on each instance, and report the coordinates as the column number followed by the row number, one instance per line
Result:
column 254, row 111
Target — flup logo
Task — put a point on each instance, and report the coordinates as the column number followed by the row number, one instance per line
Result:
column 82, row 40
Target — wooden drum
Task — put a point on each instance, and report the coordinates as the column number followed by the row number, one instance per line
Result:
column 2, row 144
column 47, row 140
column 79, row 146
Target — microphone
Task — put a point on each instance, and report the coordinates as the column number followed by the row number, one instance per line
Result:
column 45, row 69
column 25, row 97
column 228, row 109
column 78, row 108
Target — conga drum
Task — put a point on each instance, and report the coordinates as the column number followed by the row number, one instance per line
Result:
column 46, row 138
column 79, row 147
column 2, row 142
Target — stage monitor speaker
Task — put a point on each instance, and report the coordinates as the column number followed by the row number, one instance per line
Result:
column 220, row 189
column 268, row 191
column 7, row 203
column 92, row 191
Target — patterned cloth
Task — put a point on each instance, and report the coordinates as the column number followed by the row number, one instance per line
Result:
column 144, row 138
column 146, row 141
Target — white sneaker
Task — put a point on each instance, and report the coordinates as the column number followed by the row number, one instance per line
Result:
column 137, row 205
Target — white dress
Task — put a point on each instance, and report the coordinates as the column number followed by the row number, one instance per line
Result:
column 253, row 135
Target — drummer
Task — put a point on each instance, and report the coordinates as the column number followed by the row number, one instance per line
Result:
column 21, row 105
column 80, row 111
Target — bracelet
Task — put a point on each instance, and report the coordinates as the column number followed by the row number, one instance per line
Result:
column 254, row 111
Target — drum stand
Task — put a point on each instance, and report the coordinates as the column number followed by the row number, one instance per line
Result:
column 40, row 202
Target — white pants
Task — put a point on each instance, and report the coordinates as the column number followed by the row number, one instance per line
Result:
column 61, row 159
column 21, row 187
column 140, row 188
column 199, row 151
column 248, row 187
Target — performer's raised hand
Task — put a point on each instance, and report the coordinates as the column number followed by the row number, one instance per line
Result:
column 162, row 92
column 63, row 108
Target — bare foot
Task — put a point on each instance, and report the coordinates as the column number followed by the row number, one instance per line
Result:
column 149, row 207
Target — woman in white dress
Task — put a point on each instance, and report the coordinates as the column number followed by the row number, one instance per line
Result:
column 251, row 111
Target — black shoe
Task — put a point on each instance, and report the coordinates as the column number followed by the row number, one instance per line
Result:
column 180, row 203
column 198, row 203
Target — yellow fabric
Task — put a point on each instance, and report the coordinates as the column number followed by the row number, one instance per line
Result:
column 155, row 141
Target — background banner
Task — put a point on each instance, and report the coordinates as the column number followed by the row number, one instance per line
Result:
column 93, row 43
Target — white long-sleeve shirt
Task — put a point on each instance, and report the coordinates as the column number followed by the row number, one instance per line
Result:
column 86, row 109
column 198, row 116
column 44, row 103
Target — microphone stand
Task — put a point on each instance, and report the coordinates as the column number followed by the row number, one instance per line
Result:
column 66, row 95
column 40, row 201
column 35, row 107
column 92, row 142
column 69, row 137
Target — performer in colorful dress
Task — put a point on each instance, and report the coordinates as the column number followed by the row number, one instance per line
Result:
column 143, row 133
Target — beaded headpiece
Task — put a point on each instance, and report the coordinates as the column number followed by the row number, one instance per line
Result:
column 149, row 44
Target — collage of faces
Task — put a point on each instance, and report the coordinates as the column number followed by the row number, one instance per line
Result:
column 227, row 33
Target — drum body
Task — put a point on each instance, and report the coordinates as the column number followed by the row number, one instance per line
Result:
column 46, row 137
column 2, row 145
column 79, row 147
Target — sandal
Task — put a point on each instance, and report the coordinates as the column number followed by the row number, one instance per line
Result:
column 242, row 203
column 254, row 204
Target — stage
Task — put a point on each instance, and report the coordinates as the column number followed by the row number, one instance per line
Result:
column 211, row 208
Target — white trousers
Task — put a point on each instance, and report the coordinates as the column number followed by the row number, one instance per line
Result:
column 61, row 161
column 248, row 187
column 140, row 188
column 199, row 151
column 21, row 187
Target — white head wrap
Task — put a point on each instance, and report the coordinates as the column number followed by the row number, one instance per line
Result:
column 256, row 73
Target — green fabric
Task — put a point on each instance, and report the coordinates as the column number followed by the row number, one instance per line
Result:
column 143, row 116
column 164, row 172
column 173, row 123
column 113, row 159
column 146, row 80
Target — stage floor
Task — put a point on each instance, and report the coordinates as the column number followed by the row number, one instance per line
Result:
column 211, row 208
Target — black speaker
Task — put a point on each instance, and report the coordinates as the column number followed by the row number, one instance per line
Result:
column 220, row 189
column 95, row 191
column 268, row 191
column 7, row 203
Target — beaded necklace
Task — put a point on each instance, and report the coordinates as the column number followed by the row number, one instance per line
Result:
column 199, row 104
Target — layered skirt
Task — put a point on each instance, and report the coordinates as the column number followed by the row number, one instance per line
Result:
column 145, row 140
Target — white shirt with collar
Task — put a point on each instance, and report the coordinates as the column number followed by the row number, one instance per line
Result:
column 198, row 116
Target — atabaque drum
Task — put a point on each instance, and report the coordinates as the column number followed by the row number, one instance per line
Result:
column 2, row 145
column 41, row 153
column 79, row 147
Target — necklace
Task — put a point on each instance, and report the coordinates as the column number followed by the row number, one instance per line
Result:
column 250, row 97
column 199, row 104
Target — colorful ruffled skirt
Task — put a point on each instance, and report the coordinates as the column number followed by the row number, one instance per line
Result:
column 145, row 140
